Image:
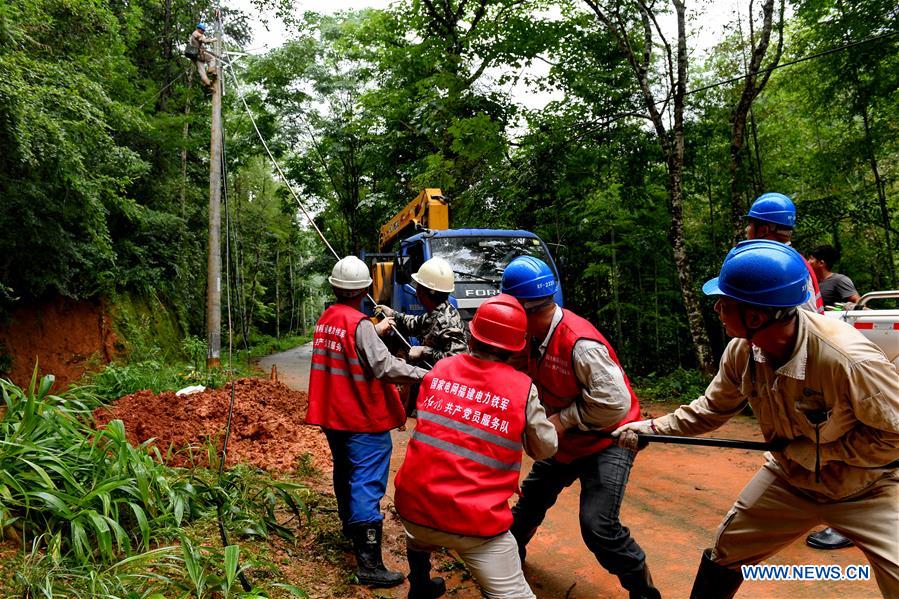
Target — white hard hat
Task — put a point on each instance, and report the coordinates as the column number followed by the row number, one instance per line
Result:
column 437, row 275
column 350, row 273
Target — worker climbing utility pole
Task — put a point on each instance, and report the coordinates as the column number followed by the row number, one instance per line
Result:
column 214, row 258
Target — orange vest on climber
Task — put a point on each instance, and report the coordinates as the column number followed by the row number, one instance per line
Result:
column 341, row 395
column 558, row 386
column 464, row 458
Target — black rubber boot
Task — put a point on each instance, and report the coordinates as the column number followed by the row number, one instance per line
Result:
column 421, row 585
column 827, row 539
column 714, row 581
column 639, row 585
column 370, row 568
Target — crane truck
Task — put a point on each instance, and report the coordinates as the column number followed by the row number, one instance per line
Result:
column 477, row 256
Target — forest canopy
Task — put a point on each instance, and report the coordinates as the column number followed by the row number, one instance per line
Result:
column 635, row 172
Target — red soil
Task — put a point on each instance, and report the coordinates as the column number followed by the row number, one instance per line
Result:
column 267, row 429
column 60, row 335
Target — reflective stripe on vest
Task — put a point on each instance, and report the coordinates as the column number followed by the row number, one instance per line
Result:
column 470, row 430
column 819, row 299
column 464, row 453
column 463, row 460
column 341, row 395
column 338, row 371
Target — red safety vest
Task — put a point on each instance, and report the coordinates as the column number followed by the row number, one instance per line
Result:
column 559, row 387
column 819, row 299
column 341, row 395
column 464, row 458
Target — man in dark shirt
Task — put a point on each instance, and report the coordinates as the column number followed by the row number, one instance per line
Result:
column 834, row 286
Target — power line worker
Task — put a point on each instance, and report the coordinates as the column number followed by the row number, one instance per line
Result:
column 475, row 415
column 815, row 384
column 584, row 389
column 198, row 53
column 351, row 396
column 773, row 216
column 440, row 329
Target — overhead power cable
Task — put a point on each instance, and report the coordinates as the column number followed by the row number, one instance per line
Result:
column 790, row 63
column 611, row 119
column 294, row 193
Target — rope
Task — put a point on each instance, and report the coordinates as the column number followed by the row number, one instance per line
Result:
column 167, row 85
column 294, row 193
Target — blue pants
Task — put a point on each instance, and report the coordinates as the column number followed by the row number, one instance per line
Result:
column 361, row 466
column 603, row 477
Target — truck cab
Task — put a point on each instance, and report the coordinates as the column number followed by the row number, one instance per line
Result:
column 477, row 256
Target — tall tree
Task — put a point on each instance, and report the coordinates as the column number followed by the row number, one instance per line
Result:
column 753, row 83
column 635, row 27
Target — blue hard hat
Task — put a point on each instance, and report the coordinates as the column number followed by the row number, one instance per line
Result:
column 763, row 273
column 774, row 208
column 527, row 277
column 201, row 26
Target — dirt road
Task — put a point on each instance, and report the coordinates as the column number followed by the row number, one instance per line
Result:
column 674, row 502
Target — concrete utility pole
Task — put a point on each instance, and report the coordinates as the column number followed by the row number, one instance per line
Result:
column 214, row 258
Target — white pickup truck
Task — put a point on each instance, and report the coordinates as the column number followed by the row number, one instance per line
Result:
column 880, row 325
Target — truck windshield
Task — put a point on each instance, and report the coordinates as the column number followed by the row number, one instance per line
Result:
column 479, row 258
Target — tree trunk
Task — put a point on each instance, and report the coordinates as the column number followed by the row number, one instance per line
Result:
column 672, row 144
column 752, row 86
column 692, row 305
column 881, row 196
column 277, row 293
column 184, row 131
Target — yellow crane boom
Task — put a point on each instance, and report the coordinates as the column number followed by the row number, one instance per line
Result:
column 427, row 210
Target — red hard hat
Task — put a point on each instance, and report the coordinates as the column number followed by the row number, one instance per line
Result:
column 501, row 322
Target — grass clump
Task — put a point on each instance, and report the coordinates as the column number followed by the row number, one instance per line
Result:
column 680, row 386
column 150, row 368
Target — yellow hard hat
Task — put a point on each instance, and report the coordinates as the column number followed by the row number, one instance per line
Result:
column 437, row 275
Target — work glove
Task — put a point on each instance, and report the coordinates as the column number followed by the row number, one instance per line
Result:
column 626, row 435
column 802, row 451
column 385, row 310
column 384, row 326
column 417, row 352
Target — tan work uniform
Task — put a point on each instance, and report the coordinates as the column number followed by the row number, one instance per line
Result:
column 835, row 371
column 197, row 39
column 494, row 562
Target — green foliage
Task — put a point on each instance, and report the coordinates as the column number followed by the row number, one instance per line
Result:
column 60, row 475
column 95, row 509
column 680, row 386
column 119, row 379
column 364, row 108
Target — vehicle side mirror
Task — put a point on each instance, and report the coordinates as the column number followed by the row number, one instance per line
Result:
column 402, row 271
column 562, row 264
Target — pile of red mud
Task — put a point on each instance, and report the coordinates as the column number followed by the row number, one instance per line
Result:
column 267, row 429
